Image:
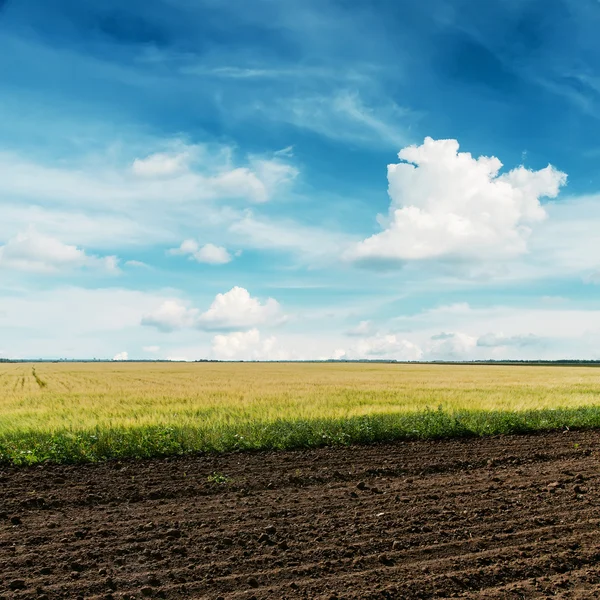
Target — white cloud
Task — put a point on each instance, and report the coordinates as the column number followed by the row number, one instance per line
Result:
column 103, row 230
column 389, row 347
column 231, row 311
column 247, row 345
column 493, row 340
column 239, row 183
column 545, row 331
column 121, row 356
column 35, row 252
column 151, row 349
column 171, row 315
column 274, row 174
column 161, row 164
column 542, row 321
column 288, row 152
column 209, row 253
column 212, row 255
column 71, row 319
column 137, row 264
column 116, row 199
column 343, row 116
column 236, row 309
column 451, row 346
column 445, row 203
column 259, row 181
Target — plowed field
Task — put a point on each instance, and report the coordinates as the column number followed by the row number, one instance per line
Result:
column 504, row 517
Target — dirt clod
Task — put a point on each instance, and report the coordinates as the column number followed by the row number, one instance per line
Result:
column 17, row 584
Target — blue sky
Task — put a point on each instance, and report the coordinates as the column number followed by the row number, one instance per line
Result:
column 299, row 179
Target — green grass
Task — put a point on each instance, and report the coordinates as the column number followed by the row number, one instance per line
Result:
column 87, row 412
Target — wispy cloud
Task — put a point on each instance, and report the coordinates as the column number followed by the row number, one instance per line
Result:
column 344, row 116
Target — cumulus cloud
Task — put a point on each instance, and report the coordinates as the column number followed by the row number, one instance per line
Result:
column 235, row 310
column 171, row 315
column 389, row 347
column 33, row 251
column 238, row 310
column 447, row 204
column 209, row 253
column 121, row 356
column 247, row 345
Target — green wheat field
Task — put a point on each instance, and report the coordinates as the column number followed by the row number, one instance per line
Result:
column 81, row 412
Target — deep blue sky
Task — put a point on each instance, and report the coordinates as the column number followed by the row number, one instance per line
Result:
column 258, row 134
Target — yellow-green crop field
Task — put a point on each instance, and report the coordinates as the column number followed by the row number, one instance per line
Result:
column 69, row 412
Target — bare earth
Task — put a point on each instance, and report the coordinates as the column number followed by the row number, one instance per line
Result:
column 506, row 517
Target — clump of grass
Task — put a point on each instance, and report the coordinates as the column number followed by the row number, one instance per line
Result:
column 26, row 448
column 217, row 478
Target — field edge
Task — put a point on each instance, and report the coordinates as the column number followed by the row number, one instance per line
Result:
column 20, row 448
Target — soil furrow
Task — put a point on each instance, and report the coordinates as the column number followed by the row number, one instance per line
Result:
column 505, row 517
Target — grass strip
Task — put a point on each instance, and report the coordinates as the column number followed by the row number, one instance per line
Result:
column 34, row 447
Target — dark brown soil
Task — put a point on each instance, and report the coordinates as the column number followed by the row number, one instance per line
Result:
column 507, row 517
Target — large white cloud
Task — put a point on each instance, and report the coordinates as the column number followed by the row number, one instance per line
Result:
column 35, row 252
column 231, row 311
column 445, row 203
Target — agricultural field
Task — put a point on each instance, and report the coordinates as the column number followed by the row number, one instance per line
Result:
column 78, row 412
column 440, row 508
